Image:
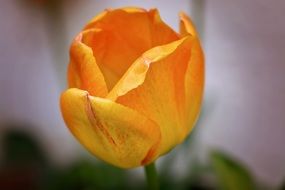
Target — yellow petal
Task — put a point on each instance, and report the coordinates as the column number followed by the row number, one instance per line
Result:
column 126, row 34
column 112, row 132
column 186, row 25
column 154, row 86
column 83, row 71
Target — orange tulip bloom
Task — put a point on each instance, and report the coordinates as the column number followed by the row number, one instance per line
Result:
column 135, row 86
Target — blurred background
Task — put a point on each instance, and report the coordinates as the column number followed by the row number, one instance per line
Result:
column 238, row 142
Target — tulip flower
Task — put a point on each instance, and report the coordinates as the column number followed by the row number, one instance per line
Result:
column 135, row 86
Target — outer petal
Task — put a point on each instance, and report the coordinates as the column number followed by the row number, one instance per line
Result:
column 154, row 86
column 194, row 84
column 195, row 74
column 112, row 132
column 83, row 71
column 126, row 34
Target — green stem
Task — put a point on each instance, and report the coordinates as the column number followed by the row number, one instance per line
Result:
column 151, row 175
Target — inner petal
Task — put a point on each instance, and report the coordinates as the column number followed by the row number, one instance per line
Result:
column 124, row 36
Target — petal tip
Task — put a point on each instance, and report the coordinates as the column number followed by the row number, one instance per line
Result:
column 186, row 25
column 182, row 15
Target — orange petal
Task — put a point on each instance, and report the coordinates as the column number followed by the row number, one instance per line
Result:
column 110, row 131
column 186, row 25
column 154, row 86
column 161, row 33
column 126, row 34
column 195, row 74
column 83, row 71
column 194, row 84
column 133, row 9
column 136, row 74
column 100, row 16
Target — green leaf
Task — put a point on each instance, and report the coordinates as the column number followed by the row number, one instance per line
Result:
column 231, row 175
column 21, row 148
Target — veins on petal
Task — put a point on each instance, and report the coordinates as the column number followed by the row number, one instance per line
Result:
column 96, row 123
